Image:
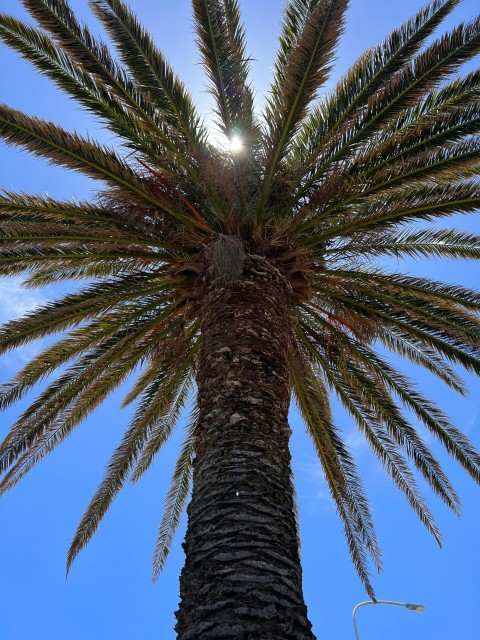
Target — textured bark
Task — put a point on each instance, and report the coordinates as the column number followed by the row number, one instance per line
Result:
column 242, row 577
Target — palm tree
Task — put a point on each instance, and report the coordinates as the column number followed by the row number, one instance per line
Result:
column 249, row 273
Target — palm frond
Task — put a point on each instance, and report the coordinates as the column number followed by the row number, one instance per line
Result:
column 384, row 448
column 49, row 360
column 444, row 343
column 24, row 209
column 150, row 71
column 452, row 162
column 402, row 90
column 92, row 56
column 38, row 48
column 421, row 202
column 339, row 469
column 373, row 69
column 74, row 152
column 444, row 243
column 154, row 403
column 412, row 133
column 94, row 333
column 378, row 397
column 221, row 39
column 176, row 498
column 67, row 401
column 374, row 380
column 405, row 346
column 164, row 427
column 93, row 59
column 305, row 70
column 455, row 294
column 75, row 308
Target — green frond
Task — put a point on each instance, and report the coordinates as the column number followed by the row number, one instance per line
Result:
column 34, row 237
column 443, row 117
column 383, row 446
column 421, row 311
column 176, row 498
column 40, row 428
column 38, row 48
column 419, row 353
column 116, row 474
column 76, row 263
column 410, row 135
column 150, row 71
column 72, row 405
column 73, row 309
column 375, row 391
column 456, row 325
column 444, row 243
column 154, row 403
column 374, row 380
column 68, row 400
column 456, row 443
column 405, row 346
column 45, row 363
column 413, row 81
column 426, row 333
column 23, row 209
column 74, row 152
column 221, row 40
column 417, row 165
column 61, row 422
column 164, row 427
column 93, row 59
column 424, row 307
column 89, row 54
column 374, row 68
column 50, row 266
column 422, row 202
column 455, row 294
column 406, row 87
column 302, row 18
column 67, row 149
column 27, row 211
column 457, row 92
column 294, row 15
column 453, row 161
column 338, row 466
column 96, row 332
column 305, row 70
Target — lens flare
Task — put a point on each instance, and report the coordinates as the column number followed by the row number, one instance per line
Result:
column 236, row 144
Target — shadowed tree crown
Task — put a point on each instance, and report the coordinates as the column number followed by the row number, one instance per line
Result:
column 319, row 186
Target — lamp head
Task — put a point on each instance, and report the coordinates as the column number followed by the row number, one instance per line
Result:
column 419, row 608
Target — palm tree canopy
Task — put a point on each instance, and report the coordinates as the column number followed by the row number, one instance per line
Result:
column 322, row 186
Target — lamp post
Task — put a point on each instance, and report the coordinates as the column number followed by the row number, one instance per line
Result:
column 419, row 608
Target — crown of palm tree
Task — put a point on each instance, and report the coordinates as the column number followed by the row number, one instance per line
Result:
column 323, row 188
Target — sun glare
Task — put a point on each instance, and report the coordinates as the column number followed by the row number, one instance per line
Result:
column 236, row 144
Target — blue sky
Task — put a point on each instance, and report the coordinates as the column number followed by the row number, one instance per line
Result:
column 108, row 593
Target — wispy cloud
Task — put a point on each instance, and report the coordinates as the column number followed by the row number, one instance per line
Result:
column 15, row 301
column 356, row 443
column 311, row 485
column 473, row 421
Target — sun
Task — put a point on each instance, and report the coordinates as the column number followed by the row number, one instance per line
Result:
column 236, row 143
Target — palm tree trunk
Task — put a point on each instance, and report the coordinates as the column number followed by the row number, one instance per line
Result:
column 242, row 577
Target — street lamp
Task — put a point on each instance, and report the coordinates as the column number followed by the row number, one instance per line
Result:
column 419, row 608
